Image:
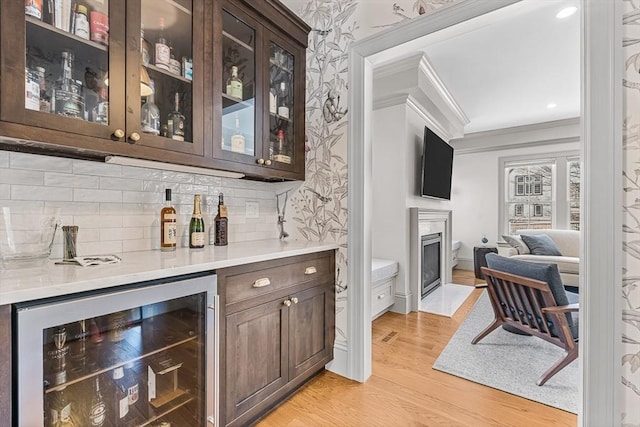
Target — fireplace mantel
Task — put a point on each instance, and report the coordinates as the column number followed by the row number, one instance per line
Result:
column 423, row 222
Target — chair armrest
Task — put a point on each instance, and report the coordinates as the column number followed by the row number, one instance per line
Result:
column 562, row 309
column 481, row 286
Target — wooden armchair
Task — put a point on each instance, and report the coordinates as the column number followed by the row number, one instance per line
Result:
column 531, row 306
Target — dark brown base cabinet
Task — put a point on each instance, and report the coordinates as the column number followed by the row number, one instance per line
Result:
column 277, row 331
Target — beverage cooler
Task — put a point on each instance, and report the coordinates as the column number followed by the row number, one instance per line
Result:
column 140, row 355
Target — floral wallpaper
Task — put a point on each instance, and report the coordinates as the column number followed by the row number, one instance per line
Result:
column 631, row 218
column 318, row 210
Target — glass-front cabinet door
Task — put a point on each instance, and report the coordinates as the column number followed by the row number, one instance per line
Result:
column 58, row 67
column 134, row 358
column 239, row 89
column 164, row 108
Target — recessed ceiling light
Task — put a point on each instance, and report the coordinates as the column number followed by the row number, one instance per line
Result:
column 552, row 105
column 566, row 12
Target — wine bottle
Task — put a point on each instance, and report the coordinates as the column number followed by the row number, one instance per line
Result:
column 237, row 139
column 168, row 225
column 60, row 409
column 221, row 223
column 176, row 121
column 196, row 226
column 98, row 408
column 234, row 84
column 163, row 53
column 150, row 114
column 121, row 398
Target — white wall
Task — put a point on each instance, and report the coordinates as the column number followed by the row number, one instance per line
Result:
column 474, row 195
column 396, row 155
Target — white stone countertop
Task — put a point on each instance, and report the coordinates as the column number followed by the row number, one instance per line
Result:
column 50, row 280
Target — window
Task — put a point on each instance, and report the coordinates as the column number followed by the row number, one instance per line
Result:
column 519, row 209
column 533, row 190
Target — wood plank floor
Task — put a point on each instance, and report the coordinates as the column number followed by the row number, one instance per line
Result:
column 403, row 389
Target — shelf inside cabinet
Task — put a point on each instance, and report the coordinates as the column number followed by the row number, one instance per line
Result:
column 230, row 104
column 237, row 40
column 278, row 117
column 160, row 334
column 167, row 73
column 60, row 37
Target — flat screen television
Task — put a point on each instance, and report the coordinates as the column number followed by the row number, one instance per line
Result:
column 437, row 166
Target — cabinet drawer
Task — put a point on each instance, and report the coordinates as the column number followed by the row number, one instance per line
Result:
column 264, row 278
column 382, row 297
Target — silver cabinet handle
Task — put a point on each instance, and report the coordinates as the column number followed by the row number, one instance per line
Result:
column 211, row 420
column 261, row 283
column 310, row 270
column 287, row 302
column 294, row 300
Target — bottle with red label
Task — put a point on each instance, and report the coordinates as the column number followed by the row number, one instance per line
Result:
column 99, row 24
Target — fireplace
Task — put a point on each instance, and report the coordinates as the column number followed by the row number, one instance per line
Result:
column 430, row 263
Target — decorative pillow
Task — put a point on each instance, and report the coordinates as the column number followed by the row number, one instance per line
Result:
column 517, row 243
column 541, row 244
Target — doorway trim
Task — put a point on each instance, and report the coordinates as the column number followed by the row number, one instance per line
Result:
column 601, row 213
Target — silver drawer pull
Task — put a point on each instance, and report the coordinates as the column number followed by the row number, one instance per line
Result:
column 381, row 296
column 310, row 270
column 261, row 283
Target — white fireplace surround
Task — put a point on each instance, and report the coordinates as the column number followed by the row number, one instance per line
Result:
column 422, row 223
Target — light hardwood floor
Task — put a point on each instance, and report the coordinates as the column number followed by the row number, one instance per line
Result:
column 403, row 389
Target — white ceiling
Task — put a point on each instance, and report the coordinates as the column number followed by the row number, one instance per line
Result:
column 506, row 67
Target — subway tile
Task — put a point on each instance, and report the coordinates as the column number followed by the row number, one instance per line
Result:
column 215, row 181
column 171, row 176
column 141, row 173
column 20, row 206
column 141, row 197
column 5, row 191
column 4, row 159
column 37, row 162
column 137, row 245
column 102, row 221
column 85, row 167
column 131, row 233
column 24, row 177
column 76, row 208
column 158, row 187
column 88, row 235
column 52, row 179
column 122, row 209
column 138, row 220
column 27, row 192
column 111, row 183
column 100, row 248
column 87, row 195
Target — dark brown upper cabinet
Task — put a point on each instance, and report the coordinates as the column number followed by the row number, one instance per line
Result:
column 259, row 89
column 149, row 79
column 84, row 72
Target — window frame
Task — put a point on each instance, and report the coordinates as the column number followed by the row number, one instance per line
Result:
column 560, row 198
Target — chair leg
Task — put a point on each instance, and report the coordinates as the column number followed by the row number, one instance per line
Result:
column 492, row 327
column 570, row 357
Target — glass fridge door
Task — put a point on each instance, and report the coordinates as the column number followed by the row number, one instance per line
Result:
column 132, row 358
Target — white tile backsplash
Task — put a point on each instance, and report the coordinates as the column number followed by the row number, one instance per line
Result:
column 117, row 207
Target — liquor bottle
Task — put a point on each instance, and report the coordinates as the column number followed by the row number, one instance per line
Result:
column 168, row 224
column 60, row 409
column 78, row 350
column 68, row 100
column 221, row 222
column 234, row 84
column 81, row 22
column 131, row 384
column 101, row 110
column 196, row 226
column 120, row 398
column 163, row 53
column 150, row 114
column 97, row 408
column 174, row 65
column 237, row 139
column 176, row 121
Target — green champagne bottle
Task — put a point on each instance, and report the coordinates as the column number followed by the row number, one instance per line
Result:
column 196, row 226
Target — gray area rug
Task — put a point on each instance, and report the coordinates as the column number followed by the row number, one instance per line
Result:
column 497, row 361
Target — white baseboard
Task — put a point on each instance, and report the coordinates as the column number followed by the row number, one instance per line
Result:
column 402, row 304
column 465, row 264
column 339, row 365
